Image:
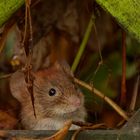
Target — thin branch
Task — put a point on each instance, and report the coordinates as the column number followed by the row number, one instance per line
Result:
column 123, row 83
column 27, row 43
column 26, row 24
column 83, row 45
column 98, row 43
column 5, row 76
column 81, row 124
column 99, row 48
column 134, row 95
column 86, row 128
column 102, row 96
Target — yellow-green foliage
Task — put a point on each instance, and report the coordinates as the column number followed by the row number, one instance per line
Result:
column 127, row 13
column 7, row 8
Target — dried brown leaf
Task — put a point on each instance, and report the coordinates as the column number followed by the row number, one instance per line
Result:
column 61, row 134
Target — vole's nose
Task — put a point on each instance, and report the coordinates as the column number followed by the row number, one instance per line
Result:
column 75, row 101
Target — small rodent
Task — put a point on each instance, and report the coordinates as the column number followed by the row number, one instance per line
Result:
column 57, row 98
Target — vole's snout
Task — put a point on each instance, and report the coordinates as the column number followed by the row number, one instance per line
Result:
column 75, row 101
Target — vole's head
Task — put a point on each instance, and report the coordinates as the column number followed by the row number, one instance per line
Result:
column 57, row 92
column 54, row 91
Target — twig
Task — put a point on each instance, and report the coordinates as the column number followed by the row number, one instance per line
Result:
column 83, row 45
column 27, row 42
column 26, row 24
column 86, row 128
column 121, row 123
column 99, row 48
column 5, row 76
column 107, row 99
column 123, row 83
column 134, row 96
column 81, row 124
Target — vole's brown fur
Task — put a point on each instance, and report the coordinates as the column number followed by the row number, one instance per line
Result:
column 52, row 111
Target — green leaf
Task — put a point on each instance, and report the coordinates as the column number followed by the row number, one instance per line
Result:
column 7, row 8
column 126, row 12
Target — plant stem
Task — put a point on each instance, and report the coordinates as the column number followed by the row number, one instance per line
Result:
column 134, row 95
column 83, row 45
column 123, row 82
column 102, row 96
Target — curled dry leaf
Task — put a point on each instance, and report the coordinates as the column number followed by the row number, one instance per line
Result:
column 61, row 134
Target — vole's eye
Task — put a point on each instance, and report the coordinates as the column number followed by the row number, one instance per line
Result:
column 52, row 92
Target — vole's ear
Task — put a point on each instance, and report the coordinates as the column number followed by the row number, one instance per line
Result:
column 64, row 66
column 18, row 86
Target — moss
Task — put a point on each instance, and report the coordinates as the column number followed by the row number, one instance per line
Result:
column 126, row 12
column 7, row 8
